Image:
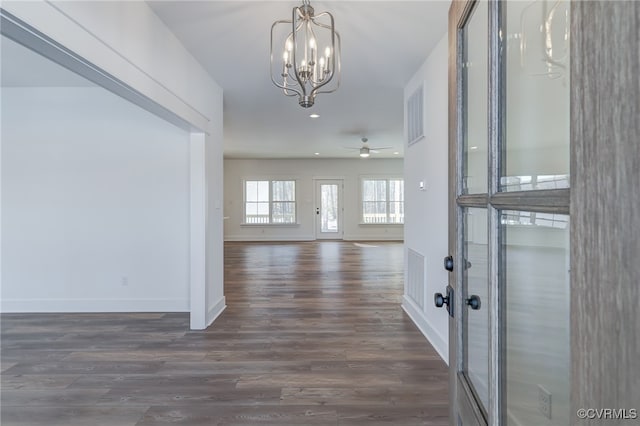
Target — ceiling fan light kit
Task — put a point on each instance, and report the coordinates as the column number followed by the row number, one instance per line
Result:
column 310, row 60
column 365, row 150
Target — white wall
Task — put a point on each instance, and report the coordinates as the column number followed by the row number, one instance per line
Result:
column 304, row 172
column 130, row 43
column 214, row 198
column 95, row 200
column 128, row 40
column 426, row 220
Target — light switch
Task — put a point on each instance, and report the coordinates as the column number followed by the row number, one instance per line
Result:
column 421, row 185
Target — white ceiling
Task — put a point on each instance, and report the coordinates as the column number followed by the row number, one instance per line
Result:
column 383, row 44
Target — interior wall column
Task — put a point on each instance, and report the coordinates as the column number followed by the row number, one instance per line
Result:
column 197, row 231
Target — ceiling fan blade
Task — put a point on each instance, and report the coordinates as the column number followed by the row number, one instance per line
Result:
column 374, row 151
column 383, row 147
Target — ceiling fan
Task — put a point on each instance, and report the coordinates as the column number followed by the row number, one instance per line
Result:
column 366, row 150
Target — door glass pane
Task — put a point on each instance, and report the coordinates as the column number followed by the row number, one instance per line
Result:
column 476, row 321
column 537, row 96
column 536, row 254
column 475, row 82
column 329, row 208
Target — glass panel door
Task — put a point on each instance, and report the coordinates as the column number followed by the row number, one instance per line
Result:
column 329, row 209
column 508, row 295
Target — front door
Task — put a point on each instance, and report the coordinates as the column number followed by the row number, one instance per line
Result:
column 543, row 289
column 328, row 207
column 509, row 145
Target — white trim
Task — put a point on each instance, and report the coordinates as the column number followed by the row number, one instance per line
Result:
column 396, row 225
column 417, row 316
column 271, row 225
column 94, row 305
column 197, row 231
column 249, row 238
column 216, row 310
column 374, row 237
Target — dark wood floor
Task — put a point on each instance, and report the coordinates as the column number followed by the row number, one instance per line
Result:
column 313, row 334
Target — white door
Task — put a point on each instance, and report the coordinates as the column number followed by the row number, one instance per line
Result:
column 328, row 207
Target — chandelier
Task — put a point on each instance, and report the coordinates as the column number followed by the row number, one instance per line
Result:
column 307, row 54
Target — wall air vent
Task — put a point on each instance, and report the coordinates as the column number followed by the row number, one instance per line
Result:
column 415, row 277
column 415, row 116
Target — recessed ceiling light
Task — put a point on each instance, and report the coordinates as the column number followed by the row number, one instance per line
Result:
column 316, row 153
column 473, row 148
column 314, row 116
column 396, row 153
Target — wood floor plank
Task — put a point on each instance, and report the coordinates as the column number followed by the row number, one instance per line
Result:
column 137, row 355
column 241, row 416
column 192, row 396
column 72, row 416
column 50, row 397
column 313, row 333
column 37, row 381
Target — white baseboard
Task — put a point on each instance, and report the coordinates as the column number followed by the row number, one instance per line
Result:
column 380, row 237
column 93, row 305
column 415, row 313
column 268, row 238
column 253, row 238
column 216, row 310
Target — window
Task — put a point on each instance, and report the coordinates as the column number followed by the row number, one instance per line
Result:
column 270, row 202
column 383, row 201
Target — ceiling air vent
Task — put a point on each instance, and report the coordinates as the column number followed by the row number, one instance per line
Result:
column 415, row 116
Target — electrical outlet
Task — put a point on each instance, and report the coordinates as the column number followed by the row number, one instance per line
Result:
column 544, row 401
column 125, row 281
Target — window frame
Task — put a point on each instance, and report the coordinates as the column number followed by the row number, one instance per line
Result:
column 387, row 201
column 270, row 201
